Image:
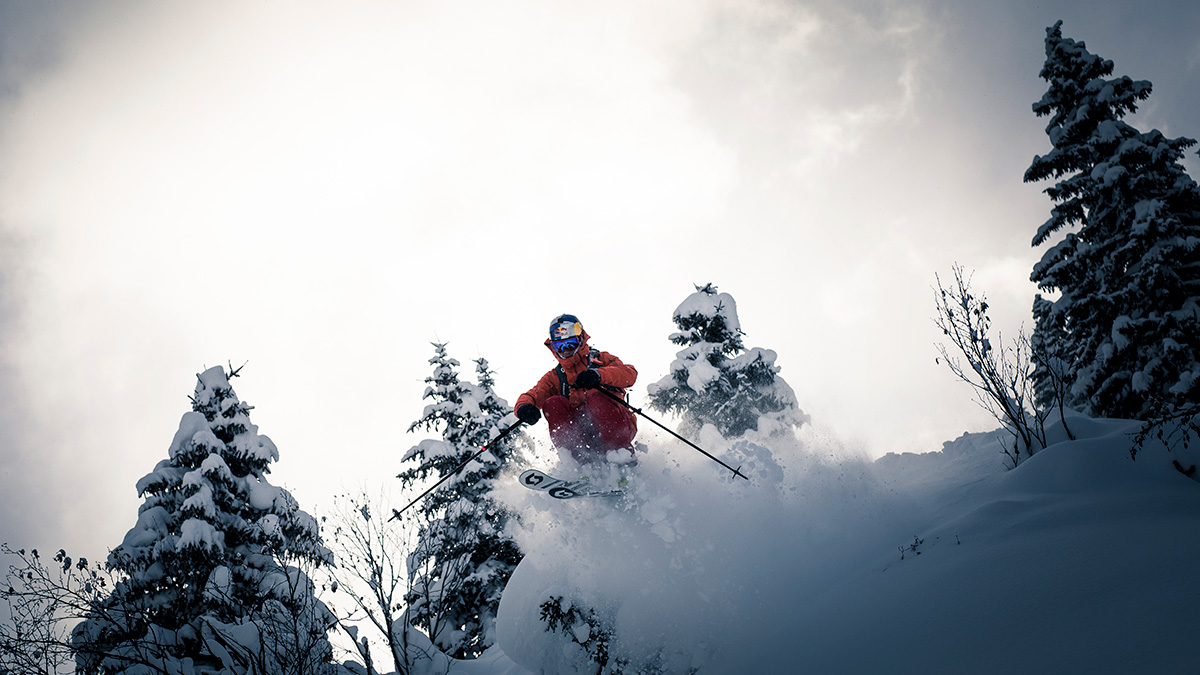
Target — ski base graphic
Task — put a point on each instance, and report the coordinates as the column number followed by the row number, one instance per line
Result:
column 564, row 489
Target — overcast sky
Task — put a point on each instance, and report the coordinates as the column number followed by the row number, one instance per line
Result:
column 319, row 190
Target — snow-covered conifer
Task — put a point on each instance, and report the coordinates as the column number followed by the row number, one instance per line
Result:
column 716, row 380
column 464, row 557
column 213, row 573
column 1126, row 326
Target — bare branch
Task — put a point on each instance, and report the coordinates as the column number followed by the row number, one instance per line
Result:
column 999, row 373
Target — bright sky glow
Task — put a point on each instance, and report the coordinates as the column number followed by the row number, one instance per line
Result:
column 321, row 193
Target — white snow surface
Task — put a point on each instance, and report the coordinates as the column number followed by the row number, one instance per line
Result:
column 710, row 306
column 201, row 533
column 192, row 428
column 1080, row 560
column 693, row 361
column 262, row 495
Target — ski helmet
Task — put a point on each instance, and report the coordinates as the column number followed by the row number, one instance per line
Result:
column 566, row 335
column 565, row 326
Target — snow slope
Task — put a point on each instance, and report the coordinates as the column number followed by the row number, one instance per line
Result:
column 1080, row 560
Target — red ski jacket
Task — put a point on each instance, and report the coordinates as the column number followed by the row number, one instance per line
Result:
column 613, row 372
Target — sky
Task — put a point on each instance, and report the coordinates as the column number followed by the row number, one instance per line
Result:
column 316, row 194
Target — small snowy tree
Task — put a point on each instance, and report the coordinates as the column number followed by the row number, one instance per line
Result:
column 464, row 557
column 716, row 380
column 1051, row 378
column 212, row 577
column 1127, row 324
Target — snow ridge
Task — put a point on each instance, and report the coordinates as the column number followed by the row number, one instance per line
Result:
column 828, row 562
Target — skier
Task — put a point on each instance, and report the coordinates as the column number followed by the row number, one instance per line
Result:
column 585, row 421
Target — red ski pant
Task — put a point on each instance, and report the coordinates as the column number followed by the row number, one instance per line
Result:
column 589, row 431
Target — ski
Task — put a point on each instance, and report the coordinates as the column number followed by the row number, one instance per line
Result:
column 564, row 489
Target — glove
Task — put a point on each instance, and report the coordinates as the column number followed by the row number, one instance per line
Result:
column 529, row 414
column 588, row 379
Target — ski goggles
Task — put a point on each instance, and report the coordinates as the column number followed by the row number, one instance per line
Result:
column 566, row 348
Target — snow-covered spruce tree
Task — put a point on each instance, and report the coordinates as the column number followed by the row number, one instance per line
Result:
column 1051, row 373
column 716, row 380
column 212, row 576
column 463, row 558
column 1127, row 323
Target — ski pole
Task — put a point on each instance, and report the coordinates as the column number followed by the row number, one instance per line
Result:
column 618, row 399
column 396, row 514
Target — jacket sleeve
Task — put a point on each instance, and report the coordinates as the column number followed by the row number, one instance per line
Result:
column 544, row 389
column 615, row 373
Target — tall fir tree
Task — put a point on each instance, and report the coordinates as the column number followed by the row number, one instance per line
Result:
column 214, row 572
column 1126, row 327
column 716, row 380
column 464, row 557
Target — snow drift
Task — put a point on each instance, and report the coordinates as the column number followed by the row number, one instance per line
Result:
column 1080, row 560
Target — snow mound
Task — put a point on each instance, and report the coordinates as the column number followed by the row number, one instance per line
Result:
column 680, row 567
column 944, row 562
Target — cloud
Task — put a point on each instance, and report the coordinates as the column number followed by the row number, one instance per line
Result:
column 324, row 192
column 321, row 194
column 802, row 85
